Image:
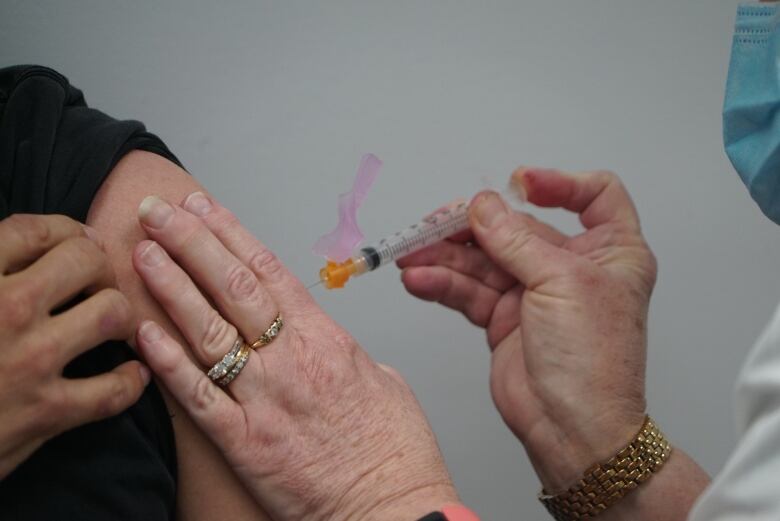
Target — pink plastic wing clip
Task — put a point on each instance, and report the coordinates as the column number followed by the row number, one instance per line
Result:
column 339, row 244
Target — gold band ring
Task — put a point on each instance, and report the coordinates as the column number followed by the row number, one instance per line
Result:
column 270, row 333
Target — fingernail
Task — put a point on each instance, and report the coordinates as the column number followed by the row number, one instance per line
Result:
column 146, row 375
column 197, row 203
column 488, row 208
column 154, row 212
column 91, row 232
column 150, row 331
column 517, row 183
column 153, row 255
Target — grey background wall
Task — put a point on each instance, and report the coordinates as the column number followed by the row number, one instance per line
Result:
column 271, row 104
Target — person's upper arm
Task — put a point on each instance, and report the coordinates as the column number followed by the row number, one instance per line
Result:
column 207, row 488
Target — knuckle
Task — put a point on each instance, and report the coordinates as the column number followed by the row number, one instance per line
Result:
column 607, row 177
column 115, row 399
column 167, row 366
column 43, row 357
column 650, row 265
column 223, row 218
column 218, row 335
column 84, row 251
column 191, row 236
column 81, row 255
column 203, row 394
column 394, row 374
column 32, row 230
column 514, row 239
column 652, row 261
column 345, row 343
column 115, row 315
column 265, row 262
column 242, row 284
column 19, row 305
column 620, row 232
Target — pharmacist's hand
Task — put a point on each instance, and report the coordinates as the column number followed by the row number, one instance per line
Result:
column 565, row 316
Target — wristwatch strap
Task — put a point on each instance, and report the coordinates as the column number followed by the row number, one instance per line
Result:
column 433, row 516
column 451, row 513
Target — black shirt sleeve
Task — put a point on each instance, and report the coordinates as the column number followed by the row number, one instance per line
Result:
column 54, row 150
column 54, row 154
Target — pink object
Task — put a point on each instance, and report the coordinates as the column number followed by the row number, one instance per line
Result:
column 458, row 513
column 339, row 244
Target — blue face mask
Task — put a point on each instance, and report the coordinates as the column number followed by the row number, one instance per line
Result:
column 751, row 111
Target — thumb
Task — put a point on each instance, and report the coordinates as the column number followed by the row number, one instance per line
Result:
column 508, row 238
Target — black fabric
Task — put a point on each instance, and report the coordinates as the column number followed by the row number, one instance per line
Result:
column 433, row 516
column 54, row 154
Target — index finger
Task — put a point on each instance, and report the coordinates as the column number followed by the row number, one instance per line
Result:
column 599, row 197
column 24, row 238
column 286, row 289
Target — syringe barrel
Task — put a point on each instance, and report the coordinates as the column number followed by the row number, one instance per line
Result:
column 432, row 229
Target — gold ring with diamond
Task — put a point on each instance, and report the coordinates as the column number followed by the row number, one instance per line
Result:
column 241, row 359
column 223, row 367
column 270, row 333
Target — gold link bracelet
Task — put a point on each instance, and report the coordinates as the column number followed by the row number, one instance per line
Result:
column 604, row 484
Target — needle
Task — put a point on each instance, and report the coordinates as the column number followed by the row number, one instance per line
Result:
column 315, row 284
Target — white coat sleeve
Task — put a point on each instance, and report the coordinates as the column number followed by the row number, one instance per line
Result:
column 748, row 487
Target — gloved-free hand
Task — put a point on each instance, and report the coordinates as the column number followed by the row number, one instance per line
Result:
column 313, row 426
column 47, row 261
column 565, row 316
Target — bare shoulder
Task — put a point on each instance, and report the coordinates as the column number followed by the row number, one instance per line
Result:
column 202, row 470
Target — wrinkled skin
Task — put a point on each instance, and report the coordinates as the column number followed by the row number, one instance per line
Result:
column 565, row 317
column 313, row 427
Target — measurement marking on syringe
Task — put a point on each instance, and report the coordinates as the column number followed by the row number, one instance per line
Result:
column 428, row 231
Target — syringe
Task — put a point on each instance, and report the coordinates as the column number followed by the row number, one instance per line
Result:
column 437, row 226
